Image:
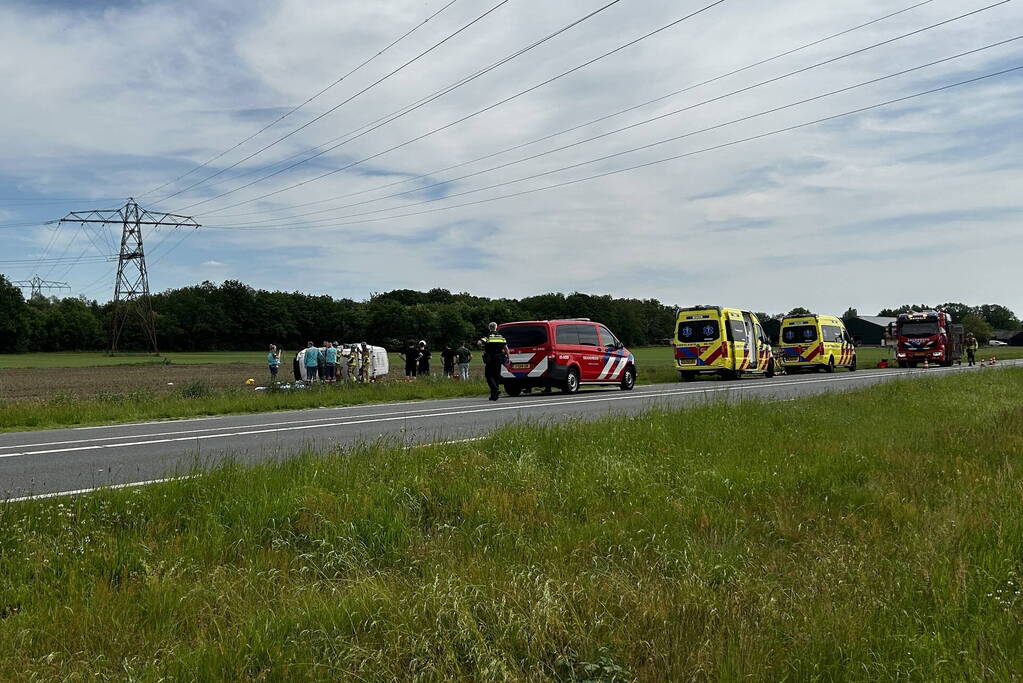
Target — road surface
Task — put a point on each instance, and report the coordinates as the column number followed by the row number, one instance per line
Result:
column 61, row 461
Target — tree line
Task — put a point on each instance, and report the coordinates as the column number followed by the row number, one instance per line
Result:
column 234, row 316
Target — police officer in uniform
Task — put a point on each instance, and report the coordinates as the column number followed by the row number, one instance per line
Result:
column 495, row 352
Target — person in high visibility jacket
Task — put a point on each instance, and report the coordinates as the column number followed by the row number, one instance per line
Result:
column 971, row 348
column 495, row 354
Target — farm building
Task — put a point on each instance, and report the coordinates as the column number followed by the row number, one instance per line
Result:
column 1010, row 337
column 868, row 329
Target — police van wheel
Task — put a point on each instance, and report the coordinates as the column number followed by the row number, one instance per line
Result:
column 852, row 365
column 831, row 365
column 571, row 384
column 628, row 379
column 512, row 388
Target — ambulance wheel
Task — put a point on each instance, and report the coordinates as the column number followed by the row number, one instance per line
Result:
column 512, row 388
column 628, row 379
column 770, row 370
column 831, row 364
column 852, row 365
column 571, row 384
column 686, row 376
column 729, row 374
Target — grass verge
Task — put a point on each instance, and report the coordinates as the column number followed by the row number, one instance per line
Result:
column 198, row 398
column 867, row 536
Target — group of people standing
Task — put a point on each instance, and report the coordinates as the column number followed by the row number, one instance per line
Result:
column 328, row 363
column 417, row 360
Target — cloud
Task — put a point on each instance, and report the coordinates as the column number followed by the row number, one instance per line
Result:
column 865, row 211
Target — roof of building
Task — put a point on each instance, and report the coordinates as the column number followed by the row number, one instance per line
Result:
column 880, row 321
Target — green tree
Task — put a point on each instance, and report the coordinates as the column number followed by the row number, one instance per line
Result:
column 799, row 310
column 999, row 317
column 850, row 313
column 14, row 318
column 958, row 311
column 981, row 329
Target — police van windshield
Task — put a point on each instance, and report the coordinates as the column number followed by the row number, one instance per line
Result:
column 916, row 330
column 698, row 331
column 521, row 336
column 799, row 334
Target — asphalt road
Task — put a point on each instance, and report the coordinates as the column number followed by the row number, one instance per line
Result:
column 59, row 461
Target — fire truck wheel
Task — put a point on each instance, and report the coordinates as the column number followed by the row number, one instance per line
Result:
column 628, row 379
column 571, row 384
column 903, row 364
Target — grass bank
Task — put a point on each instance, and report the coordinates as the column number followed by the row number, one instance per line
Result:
column 864, row 536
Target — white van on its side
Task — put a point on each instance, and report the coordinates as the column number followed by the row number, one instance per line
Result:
column 381, row 363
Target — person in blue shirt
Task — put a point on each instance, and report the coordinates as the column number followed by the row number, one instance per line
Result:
column 329, row 362
column 273, row 361
column 312, row 362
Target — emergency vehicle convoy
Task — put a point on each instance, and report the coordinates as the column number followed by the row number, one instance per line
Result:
column 815, row 342
column 564, row 354
column 726, row 342
column 927, row 337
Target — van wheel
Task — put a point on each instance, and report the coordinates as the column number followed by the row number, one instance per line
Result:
column 770, row 370
column 571, row 384
column 628, row 379
column 852, row 366
column 512, row 388
column 831, row 364
column 686, row 376
column 728, row 374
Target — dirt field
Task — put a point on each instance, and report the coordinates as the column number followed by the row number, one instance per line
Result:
column 27, row 384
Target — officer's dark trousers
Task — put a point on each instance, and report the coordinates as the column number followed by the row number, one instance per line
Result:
column 492, row 371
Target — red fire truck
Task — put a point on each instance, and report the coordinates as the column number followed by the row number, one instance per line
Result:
column 927, row 337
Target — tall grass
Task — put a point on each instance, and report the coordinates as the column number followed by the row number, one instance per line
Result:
column 864, row 536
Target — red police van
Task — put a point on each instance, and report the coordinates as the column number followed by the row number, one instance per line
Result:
column 565, row 354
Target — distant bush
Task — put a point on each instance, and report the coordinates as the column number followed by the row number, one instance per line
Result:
column 199, row 388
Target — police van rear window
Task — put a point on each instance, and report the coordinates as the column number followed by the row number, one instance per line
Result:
column 522, row 336
column 799, row 334
column 698, row 331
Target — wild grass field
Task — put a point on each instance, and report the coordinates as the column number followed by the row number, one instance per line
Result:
column 864, row 536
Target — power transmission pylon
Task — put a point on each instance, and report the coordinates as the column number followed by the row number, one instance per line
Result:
column 131, row 290
column 36, row 285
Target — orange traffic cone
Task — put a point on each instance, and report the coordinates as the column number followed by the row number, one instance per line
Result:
column 927, row 365
column 992, row 360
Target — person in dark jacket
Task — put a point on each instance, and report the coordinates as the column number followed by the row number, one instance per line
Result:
column 411, row 355
column 448, row 356
column 424, row 359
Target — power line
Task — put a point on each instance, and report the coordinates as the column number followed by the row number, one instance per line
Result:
column 453, row 123
column 369, row 127
column 648, row 164
column 648, row 121
column 343, row 102
column 307, row 101
column 583, row 125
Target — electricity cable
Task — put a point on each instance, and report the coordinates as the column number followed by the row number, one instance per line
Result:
column 453, row 123
column 343, row 102
column 675, row 157
column 273, row 123
column 645, row 122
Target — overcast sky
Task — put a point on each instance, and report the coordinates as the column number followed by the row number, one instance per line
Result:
column 918, row 201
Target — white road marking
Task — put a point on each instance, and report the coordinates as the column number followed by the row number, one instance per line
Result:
column 147, row 482
column 425, row 414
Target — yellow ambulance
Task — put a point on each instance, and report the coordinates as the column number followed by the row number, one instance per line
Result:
column 726, row 342
column 815, row 342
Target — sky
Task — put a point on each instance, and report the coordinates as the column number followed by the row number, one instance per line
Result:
column 716, row 194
